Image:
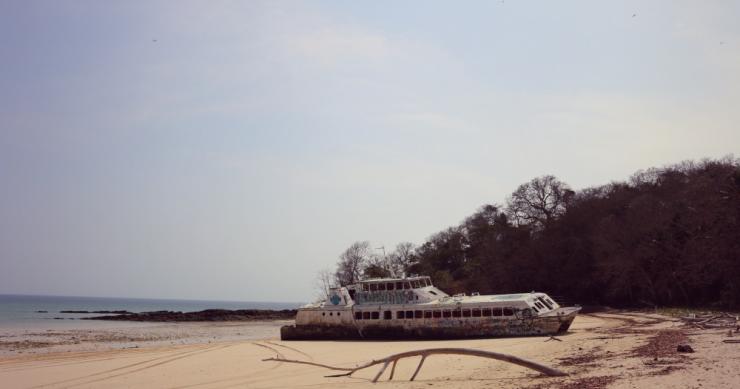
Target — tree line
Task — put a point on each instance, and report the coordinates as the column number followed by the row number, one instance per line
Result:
column 667, row 236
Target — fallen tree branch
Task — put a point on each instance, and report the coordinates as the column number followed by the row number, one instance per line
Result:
column 424, row 353
column 731, row 340
column 709, row 319
column 719, row 325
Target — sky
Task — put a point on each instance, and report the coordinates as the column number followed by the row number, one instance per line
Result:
column 230, row 150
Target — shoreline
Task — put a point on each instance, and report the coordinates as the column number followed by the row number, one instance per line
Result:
column 119, row 335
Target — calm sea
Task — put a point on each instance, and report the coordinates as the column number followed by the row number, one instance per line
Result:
column 36, row 312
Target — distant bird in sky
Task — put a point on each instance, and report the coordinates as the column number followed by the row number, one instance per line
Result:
column 633, row 15
column 154, row 40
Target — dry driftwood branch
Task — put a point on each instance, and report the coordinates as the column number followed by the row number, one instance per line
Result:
column 708, row 319
column 553, row 338
column 424, row 353
column 393, row 369
column 721, row 320
column 719, row 325
column 731, row 340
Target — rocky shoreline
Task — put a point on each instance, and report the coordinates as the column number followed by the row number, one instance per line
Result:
column 205, row 315
column 116, row 312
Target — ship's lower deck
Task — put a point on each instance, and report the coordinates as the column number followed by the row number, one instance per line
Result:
column 442, row 329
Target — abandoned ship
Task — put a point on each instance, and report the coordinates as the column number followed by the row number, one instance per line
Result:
column 413, row 308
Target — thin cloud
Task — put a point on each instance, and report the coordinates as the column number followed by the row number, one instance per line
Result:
column 333, row 46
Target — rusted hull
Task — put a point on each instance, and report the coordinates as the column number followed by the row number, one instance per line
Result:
column 451, row 330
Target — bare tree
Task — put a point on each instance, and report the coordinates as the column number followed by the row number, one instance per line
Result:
column 352, row 263
column 376, row 270
column 539, row 202
column 401, row 259
column 325, row 280
column 377, row 266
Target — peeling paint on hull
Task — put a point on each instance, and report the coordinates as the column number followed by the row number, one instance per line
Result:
column 453, row 329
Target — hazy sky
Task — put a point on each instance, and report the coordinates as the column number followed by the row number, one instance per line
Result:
column 230, row 150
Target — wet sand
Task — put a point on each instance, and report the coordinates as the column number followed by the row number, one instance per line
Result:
column 618, row 350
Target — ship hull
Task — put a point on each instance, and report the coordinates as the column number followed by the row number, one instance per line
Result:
column 441, row 329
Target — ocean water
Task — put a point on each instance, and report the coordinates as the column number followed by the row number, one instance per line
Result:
column 38, row 312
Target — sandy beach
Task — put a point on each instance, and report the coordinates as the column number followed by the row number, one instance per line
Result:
column 612, row 350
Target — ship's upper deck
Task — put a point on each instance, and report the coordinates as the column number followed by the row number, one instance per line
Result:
column 411, row 290
column 385, row 284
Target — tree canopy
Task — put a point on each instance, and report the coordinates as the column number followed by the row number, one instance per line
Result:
column 668, row 236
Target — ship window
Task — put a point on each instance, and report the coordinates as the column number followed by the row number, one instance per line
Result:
column 539, row 305
column 549, row 306
column 496, row 311
column 428, row 282
column 456, row 313
column 427, row 314
column 549, row 301
column 486, row 312
column 375, row 315
column 373, row 287
column 358, row 315
column 365, row 288
column 407, row 285
column 365, row 315
column 437, row 314
column 416, row 284
column 446, row 313
column 432, row 292
column 387, row 315
column 535, row 309
column 508, row 312
column 418, row 314
column 389, row 286
column 400, row 314
column 399, row 285
column 339, row 313
column 409, row 314
column 381, row 286
column 466, row 312
column 476, row 312
column 331, row 313
column 323, row 313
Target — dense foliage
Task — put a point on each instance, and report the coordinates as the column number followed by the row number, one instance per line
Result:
column 668, row 236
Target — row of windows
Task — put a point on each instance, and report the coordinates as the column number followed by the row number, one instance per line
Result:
column 538, row 305
column 546, row 301
column 330, row 313
column 435, row 314
column 398, row 285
